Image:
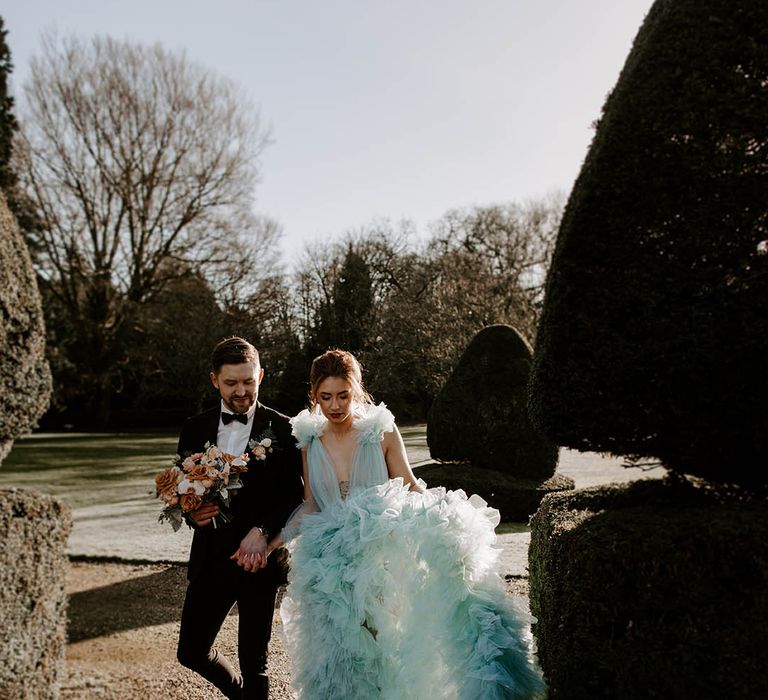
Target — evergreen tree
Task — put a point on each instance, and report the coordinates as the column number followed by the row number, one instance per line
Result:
column 654, row 333
column 17, row 201
column 344, row 321
column 8, row 124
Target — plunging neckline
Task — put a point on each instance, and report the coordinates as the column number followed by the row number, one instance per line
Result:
column 335, row 467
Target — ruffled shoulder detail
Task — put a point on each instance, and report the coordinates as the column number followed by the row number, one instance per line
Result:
column 306, row 426
column 373, row 422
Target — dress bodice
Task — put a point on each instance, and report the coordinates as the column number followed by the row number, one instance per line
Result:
column 368, row 465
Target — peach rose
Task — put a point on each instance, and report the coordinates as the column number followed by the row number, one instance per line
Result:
column 170, row 499
column 190, row 501
column 167, row 480
column 205, row 476
column 201, row 472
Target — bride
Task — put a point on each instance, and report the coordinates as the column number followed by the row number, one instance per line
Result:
column 394, row 588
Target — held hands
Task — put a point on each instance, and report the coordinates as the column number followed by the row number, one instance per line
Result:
column 253, row 551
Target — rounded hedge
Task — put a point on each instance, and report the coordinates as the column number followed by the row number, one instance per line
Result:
column 654, row 332
column 480, row 415
column 654, row 589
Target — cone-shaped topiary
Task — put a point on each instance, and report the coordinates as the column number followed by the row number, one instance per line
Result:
column 654, row 333
column 480, row 415
column 25, row 380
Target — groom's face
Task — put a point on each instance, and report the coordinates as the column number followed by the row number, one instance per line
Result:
column 238, row 385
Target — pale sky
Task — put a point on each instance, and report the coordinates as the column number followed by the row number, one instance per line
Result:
column 390, row 108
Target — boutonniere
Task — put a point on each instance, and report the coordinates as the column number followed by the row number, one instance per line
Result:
column 264, row 444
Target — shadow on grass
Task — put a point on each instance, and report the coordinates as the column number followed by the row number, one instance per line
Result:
column 144, row 601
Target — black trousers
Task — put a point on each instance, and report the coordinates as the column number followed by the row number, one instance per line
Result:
column 210, row 596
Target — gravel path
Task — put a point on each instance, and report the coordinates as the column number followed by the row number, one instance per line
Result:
column 123, row 626
column 123, row 618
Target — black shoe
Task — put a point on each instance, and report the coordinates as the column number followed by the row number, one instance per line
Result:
column 256, row 688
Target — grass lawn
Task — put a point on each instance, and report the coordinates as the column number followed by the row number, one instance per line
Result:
column 88, row 469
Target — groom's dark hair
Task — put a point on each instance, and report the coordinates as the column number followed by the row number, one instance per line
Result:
column 233, row 351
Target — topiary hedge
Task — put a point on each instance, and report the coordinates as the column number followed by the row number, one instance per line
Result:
column 33, row 534
column 480, row 415
column 654, row 333
column 25, row 380
column 651, row 590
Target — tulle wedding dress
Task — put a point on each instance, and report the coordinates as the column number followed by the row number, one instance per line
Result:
column 396, row 595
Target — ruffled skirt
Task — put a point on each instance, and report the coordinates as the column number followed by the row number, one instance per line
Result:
column 396, row 595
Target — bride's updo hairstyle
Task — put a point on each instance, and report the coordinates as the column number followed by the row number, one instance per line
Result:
column 341, row 364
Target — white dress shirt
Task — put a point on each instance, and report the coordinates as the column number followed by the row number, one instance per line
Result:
column 233, row 438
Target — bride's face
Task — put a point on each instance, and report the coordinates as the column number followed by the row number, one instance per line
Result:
column 334, row 396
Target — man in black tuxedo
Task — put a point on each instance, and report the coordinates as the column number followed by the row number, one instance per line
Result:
column 228, row 561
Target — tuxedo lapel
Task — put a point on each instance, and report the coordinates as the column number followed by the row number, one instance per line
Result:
column 261, row 422
column 211, row 427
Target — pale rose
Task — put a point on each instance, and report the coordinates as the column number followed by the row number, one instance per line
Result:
column 213, row 452
column 238, row 461
column 190, row 501
column 266, row 442
column 191, row 487
column 762, row 248
column 259, row 452
column 166, row 481
column 188, row 464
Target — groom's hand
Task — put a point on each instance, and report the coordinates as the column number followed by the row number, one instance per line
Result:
column 205, row 514
column 252, row 552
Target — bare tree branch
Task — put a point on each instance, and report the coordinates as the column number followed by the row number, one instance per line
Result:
column 143, row 166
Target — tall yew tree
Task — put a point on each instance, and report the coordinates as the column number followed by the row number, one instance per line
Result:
column 654, row 335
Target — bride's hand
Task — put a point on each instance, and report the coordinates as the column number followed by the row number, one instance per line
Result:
column 252, row 552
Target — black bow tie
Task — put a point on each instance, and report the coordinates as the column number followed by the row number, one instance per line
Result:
column 227, row 418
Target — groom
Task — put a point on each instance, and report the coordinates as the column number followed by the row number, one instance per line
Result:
column 227, row 563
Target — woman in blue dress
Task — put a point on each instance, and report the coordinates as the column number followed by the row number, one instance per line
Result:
column 395, row 591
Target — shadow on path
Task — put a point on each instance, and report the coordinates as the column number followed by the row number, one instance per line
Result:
column 154, row 599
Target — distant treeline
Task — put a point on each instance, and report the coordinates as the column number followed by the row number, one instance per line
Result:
column 407, row 308
column 132, row 173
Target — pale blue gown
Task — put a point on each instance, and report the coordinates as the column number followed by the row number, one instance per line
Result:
column 396, row 595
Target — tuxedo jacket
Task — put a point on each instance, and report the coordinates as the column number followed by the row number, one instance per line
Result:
column 272, row 488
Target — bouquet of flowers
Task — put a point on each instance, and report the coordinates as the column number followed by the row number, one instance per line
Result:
column 203, row 476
